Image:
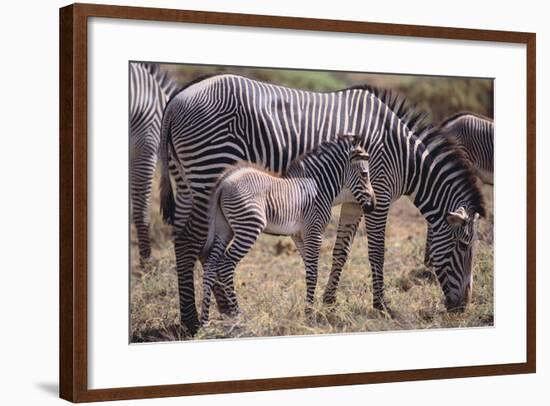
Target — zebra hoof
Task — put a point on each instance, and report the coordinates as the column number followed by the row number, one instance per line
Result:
column 309, row 314
column 226, row 310
column 190, row 328
column 234, row 311
column 384, row 310
column 329, row 300
column 145, row 262
column 229, row 310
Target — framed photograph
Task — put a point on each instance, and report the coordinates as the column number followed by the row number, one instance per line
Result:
column 254, row 202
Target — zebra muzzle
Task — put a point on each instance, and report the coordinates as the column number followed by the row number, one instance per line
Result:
column 369, row 205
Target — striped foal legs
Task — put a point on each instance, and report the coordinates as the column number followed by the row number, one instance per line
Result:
column 220, row 265
column 212, row 269
column 219, row 273
column 189, row 238
column 312, row 247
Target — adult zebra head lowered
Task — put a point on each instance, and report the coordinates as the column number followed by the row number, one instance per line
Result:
column 458, row 285
column 453, row 228
column 249, row 200
column 473, row 135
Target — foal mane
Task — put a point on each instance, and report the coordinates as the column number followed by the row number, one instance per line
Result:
column 295, row 167
column 438, row 143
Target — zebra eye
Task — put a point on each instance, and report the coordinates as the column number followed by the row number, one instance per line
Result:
column 364, row 174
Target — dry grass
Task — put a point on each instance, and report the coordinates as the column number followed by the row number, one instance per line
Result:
column 270, row 285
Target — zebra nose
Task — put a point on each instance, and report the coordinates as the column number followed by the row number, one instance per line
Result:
column 369, row 206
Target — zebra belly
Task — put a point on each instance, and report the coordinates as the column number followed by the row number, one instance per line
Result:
column 289, row 228
column 344, row 196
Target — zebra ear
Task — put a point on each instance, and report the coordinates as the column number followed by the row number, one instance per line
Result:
column 457, row 218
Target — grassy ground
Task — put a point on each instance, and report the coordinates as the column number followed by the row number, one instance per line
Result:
column 270, row 285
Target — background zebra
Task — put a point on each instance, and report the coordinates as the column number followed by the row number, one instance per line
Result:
column 249, row 200
column 474, row 135
column 223, row 119
column 150, row 90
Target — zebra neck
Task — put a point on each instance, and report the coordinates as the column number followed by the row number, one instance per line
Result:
column 327, row 179
column 436, row 191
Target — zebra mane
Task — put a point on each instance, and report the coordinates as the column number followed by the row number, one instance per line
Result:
column 437, row 142
column 414, row 119
column 458, row 115
column 295, row 168
column 166, row 83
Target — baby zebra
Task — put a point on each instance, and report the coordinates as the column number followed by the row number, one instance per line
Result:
column 248, row 201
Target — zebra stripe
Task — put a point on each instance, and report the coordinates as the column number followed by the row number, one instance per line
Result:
column 224, row 119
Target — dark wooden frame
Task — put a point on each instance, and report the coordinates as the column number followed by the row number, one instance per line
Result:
column 73, row 201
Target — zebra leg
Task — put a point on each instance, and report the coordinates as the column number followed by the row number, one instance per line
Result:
column 376, row 233
column 223, row 302
column 215, row 259
column 350, row 216
column 299, row 244
column 209, row 279
column 312, row 247
column 184, row 205
column 226, row 284
column 189, row 238
column 246, row 230
column 144, row 159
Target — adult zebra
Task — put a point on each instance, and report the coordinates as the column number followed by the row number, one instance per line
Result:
column 217, row 121
column 150, row 90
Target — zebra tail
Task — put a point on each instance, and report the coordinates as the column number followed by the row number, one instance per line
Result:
column 167, row 202
column 214, row 210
